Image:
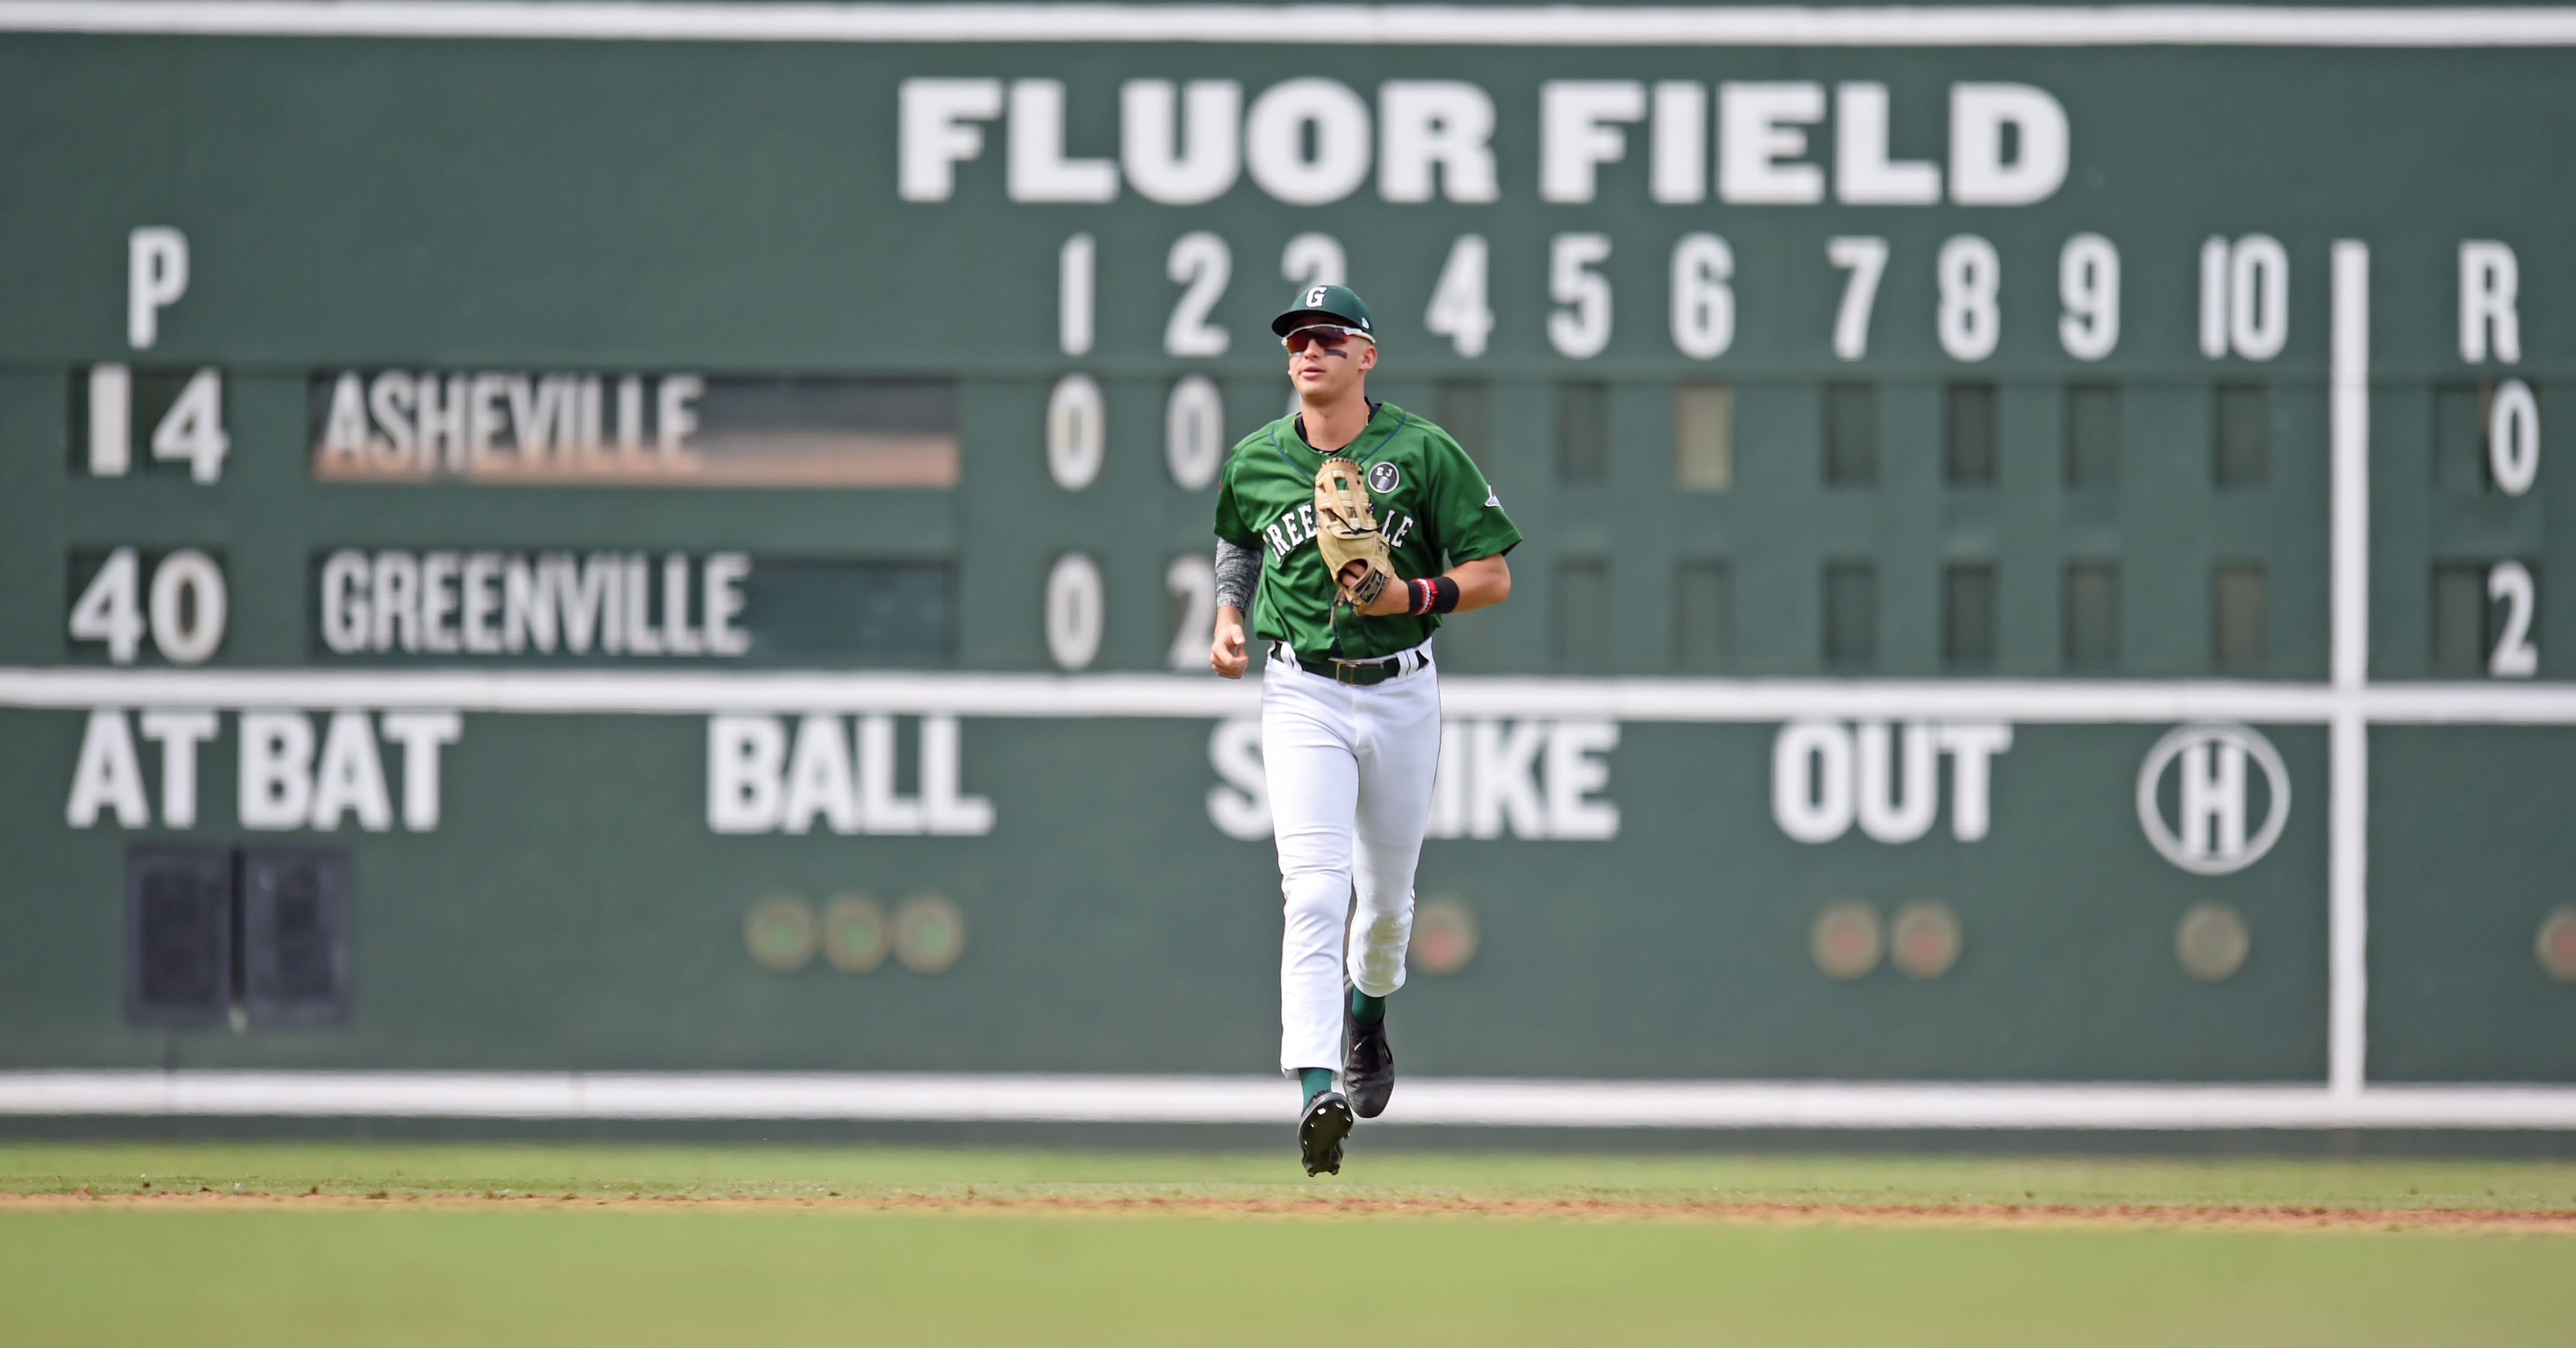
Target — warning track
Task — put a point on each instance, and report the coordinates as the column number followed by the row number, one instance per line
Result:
column 2157, row 1216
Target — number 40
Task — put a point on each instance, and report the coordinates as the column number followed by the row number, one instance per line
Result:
column 186, row 607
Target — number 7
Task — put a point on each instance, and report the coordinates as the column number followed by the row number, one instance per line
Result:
column 1867, row 258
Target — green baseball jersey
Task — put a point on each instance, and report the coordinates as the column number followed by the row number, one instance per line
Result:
column 1432, row 503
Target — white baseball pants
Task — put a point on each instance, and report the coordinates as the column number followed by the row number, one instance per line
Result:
column 1349, row 771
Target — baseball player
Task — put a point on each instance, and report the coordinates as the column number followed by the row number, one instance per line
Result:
column 1333, row 526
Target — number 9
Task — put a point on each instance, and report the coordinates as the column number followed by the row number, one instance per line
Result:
column 2088, row 281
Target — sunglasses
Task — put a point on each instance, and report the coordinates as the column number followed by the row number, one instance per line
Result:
column 1329, row 336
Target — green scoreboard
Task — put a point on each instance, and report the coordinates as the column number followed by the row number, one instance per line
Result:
column 563, row 541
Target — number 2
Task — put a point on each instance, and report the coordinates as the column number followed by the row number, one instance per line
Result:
column 1201, row 262
column 2514, row 657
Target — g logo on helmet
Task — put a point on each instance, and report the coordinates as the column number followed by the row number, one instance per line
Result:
column 1384, row 478
column 1315, row 298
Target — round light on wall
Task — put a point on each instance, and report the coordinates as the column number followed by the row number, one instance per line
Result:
column 1444, row 935
column 855, row 933
column 1847, row 941
column 2556, row 945
column 1924, row 940
column 929, row 933
column 779, row 933
column 2211, row 942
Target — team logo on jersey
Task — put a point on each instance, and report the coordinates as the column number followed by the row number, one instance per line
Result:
column 1492, row 498
column 1384, row 478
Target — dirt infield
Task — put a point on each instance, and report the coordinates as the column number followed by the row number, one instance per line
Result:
column 2495, row 1221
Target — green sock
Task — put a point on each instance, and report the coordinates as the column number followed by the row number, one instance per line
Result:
column 1365, row 1009
column 1316, row 1080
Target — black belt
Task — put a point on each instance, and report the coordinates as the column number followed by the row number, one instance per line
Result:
column 1357, row 673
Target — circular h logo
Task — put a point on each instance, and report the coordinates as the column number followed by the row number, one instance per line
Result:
column 2206, row 834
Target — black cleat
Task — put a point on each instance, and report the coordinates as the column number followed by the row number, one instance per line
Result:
column 1368, row 1064
column 1320, row 1133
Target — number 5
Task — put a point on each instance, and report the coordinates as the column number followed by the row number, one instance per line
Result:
column 1579, row 332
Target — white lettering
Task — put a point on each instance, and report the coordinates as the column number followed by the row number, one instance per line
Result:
column 1504, row 790
column 1888, row 812
column 744, row 757
column 156, row 275
column 481, row 593
column 1811, row 781
column 819, row 780
column 1275, row 135
column 1679, row 172
column 1208, row 157
column 1825, row 776
column 421, row 735
column 1972, row 748
column 276, row 770
column 438, row 572
column 936, row 133
column 2490, row 280
column 1979, row 174
column 1443, row 125
column 350, row 777
column 1576, row 135
column 1039, row 170
column 886, row 811
column 108, row 775
column 944, row 806
column 1863, row 174
column 1758, row 136
column 725, row 573
column 1576, row 770
column 675, row 416
column 1239, row 804
column 178, row 733
column 344, row 602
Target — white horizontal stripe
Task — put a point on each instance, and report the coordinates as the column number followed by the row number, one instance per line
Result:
column 969, row 1097
column 1204, row 697
column 1322, row 24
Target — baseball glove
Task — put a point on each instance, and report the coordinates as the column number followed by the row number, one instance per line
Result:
column 1346, row 531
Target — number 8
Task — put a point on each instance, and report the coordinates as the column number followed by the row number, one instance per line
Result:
column 1970, row 276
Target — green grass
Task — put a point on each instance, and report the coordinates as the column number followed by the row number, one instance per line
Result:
column 546, row 1271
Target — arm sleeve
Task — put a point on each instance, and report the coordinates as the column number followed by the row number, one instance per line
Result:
column 1470, row 515
column 1238, row 570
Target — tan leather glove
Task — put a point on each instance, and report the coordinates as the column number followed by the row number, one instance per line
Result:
column 1346, row 531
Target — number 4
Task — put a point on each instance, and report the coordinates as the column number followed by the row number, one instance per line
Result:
column 1458, row 308
column 107, row 612
column 193, row 429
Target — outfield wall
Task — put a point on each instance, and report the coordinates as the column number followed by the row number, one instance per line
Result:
column 564, row 540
